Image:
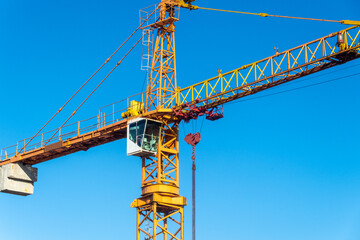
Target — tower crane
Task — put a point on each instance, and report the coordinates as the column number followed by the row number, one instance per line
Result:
column 151, row 125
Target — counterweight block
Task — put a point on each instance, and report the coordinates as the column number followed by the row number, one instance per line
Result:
column 18, row 179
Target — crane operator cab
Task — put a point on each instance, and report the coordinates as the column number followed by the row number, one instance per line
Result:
column 143, row 137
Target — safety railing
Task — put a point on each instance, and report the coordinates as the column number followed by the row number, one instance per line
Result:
column 107, row 115
column 152, row 15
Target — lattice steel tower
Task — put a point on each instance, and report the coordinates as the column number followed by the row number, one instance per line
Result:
column 160, row 210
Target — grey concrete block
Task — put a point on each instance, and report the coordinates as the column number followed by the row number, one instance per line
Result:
column 16, row 178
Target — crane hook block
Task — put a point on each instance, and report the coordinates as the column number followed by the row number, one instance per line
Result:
column 193, row 139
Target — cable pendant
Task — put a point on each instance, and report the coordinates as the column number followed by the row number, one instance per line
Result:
column 346, row 22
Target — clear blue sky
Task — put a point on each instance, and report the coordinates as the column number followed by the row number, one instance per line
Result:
column 284, row 167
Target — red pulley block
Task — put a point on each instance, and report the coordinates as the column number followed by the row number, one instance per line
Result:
column 193, row 139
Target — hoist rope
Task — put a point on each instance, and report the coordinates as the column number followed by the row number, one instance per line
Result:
column 279, row 16
column 87, row 81
column 202, row 123
column 95, row 89
column 193, row 193
column 193, row 139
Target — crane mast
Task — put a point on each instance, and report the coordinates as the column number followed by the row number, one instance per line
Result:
column 161, row 84
column 160, row 209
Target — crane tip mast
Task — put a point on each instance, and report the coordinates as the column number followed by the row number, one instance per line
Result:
column 150, row 120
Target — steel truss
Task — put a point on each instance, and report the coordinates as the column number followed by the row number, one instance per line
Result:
column 160, row 221
column 282, row 67
column 162, row 86
column 160, row 210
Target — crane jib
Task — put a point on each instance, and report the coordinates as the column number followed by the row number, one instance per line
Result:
column 282, row 67
column 311, row 57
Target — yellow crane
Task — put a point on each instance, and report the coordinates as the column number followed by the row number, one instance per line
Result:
column 151, row 125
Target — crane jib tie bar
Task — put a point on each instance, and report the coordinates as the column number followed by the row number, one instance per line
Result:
column 193, row 7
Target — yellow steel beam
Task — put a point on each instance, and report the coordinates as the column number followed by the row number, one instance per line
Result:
column 73, row 141
column 282, row 67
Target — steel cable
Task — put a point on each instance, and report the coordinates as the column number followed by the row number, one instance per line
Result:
column 87, row 81
column 348, row 22
column 94, row 90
